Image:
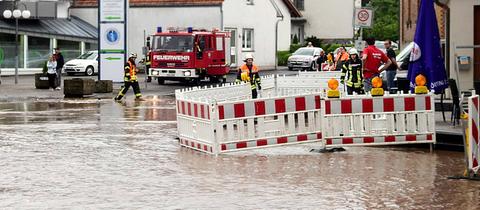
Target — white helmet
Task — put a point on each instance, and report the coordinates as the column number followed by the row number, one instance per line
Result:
column 133, row 55
column 248, row 56
column 353, row 51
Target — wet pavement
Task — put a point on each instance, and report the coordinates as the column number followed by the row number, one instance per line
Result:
column 98, row 154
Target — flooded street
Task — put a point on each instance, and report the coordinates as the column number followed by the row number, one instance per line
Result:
column 98, row 154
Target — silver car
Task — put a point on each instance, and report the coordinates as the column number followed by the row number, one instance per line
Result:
column 304, row 58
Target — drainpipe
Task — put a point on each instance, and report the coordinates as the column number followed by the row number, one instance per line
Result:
column 279, row 18
column 221, row 17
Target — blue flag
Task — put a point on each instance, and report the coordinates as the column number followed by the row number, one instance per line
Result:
column 426, row 57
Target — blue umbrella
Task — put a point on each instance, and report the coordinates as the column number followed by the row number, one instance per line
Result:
column 426, row 57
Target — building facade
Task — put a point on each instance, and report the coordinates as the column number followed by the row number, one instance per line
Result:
column 251, row 23
column 459, row 27
column 49, row 26
column 324, row 19
column 256, row 27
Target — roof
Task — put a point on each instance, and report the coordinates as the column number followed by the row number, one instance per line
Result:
column 294, row 12
column 69, row 29
column 143, row 3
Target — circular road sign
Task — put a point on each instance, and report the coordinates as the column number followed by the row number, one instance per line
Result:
column 363, row 15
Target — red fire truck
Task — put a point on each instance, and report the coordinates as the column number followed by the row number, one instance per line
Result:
column 188, row 55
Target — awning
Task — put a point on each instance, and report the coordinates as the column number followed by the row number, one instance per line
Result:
column 73, row 29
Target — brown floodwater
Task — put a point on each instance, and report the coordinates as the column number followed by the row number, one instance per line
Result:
column 98, row 154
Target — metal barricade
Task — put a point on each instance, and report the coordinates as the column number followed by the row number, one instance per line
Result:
column 392, row 119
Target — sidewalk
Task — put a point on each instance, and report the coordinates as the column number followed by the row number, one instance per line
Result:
column 25, row 89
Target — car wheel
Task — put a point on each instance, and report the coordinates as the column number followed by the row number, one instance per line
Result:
column 89, row 71
column 161, row 81
column 312, row 67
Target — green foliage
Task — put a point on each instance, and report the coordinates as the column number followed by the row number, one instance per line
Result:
column 385, row 20
column 45, row 69
column 283, row 57
column 295, row 39
column 294, row 47
column 314, row 40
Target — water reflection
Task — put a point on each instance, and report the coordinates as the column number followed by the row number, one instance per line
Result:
column 102, row 154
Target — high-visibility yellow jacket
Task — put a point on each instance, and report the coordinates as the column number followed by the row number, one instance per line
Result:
column 130, row 72
column 249, row 74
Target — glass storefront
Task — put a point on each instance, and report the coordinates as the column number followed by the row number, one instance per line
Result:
column 69, row 49
column 7, row 51
column 38, row 52
column 90, row 46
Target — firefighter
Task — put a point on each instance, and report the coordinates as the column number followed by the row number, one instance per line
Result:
column 248, row 72
column 352, row 73
column 130, row 79
column 147, row 61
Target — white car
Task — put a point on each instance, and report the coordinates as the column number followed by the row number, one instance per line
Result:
column 304, row 58
column 86, row 63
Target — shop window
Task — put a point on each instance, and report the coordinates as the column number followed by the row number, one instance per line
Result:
column 38, row 52
column 69, row 49
column 7, row 51
column 90, row 46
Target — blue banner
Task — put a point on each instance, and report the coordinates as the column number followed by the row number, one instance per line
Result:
column 426, row 57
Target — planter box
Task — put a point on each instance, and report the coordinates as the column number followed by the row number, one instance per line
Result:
column 78, row 87
column 41, row 81
column 103, row 86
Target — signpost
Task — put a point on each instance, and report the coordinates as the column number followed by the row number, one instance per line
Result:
column 112, row 18
column 363, row 18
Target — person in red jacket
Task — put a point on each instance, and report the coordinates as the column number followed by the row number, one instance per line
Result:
column 372, row 59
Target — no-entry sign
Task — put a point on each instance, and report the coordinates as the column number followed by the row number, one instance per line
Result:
column 363, row 17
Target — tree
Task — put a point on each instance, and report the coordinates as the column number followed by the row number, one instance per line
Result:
column 385, row 20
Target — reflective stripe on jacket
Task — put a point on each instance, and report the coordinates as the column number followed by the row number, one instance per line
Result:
column 254, row 77
column 352, row 70
column 130, row 72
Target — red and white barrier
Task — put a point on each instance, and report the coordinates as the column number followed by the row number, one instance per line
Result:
column 224, row 119
column 268, row 122
column 473, row 151
column 367, row 120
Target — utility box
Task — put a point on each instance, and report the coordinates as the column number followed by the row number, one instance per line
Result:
column 78, row 87
column 464, row 62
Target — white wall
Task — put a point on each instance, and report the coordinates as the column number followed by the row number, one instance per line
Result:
column 262, row 18
column 148, row 19
column 62, row 9
column 461, row 15
column 329, row 19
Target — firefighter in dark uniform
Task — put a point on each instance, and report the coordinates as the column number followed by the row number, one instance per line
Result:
column 352, row 73
column 148, row 63
column 248, row 72
column 130, row 79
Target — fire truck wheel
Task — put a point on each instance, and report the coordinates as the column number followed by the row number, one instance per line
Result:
column 161, row 81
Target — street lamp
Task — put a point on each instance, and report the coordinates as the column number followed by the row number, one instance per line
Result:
column 16, row 14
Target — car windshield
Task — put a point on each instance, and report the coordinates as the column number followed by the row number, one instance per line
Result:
column 304, row 51
column 88, row 56
column 405, row 52
column 173, row 43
